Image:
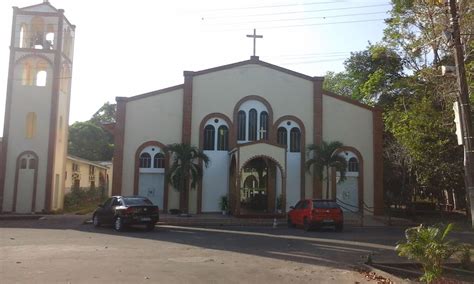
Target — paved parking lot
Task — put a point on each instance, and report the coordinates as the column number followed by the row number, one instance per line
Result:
column 60, row 249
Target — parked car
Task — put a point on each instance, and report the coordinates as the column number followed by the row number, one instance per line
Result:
column 316, row 213
column 121, row 211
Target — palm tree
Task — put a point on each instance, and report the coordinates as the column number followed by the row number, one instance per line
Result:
column 323, row 158
column 186, row 169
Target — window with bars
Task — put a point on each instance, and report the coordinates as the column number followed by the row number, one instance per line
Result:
column 353, row 165
column 23, row 163
column 145, row 160
column 282, row 136
column 295, row 140
column 241, row 125
column 209, row 137
column 252, row 125
column 32, row 164
column 159, row 161
column 263, row 131
column 223, row 138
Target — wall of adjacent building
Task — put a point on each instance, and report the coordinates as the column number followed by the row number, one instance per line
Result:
column 154, row 118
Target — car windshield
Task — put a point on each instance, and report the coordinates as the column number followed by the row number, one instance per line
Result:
column 137, row 201
column 324, row 204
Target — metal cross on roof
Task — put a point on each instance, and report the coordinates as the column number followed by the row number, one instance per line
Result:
column 255, row 36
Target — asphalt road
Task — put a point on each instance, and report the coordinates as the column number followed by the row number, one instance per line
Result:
column 60, row 249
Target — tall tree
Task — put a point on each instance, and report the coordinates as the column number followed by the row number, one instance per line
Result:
column 89, row 141
column 186, row 169
column 323, row 158
column 370, row 75
column 105, row 114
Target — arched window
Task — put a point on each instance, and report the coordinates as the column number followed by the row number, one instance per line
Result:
column 30, row 125
column 295, row 140
column 209, row 137
column 23, row 163
column 159, row 161
column 41, row 74
column 145, row 160
column 23, row 35
column 32, row 164
column 27, row 74
column 353, row 165
column 282, row 136
column 263, row 131
column 37, row 32
column 252, row 125
column 223, row 138
column 241, row 125
column 251, row 182
column 49, row 38
column 41, row 77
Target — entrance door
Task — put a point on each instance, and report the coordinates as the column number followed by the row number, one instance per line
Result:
column 258, row 187
column 347, row 194
column 25, row 184
column 151, row 185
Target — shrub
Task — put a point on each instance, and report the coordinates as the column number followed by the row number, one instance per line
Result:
column 80, row 198
column 429, row 246
column 224, row 203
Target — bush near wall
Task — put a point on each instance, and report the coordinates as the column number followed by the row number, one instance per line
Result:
column 84, row 199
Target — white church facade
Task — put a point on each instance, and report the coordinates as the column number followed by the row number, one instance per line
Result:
column 34, row 144
column 254, row 120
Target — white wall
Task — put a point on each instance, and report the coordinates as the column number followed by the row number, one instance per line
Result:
column 154, row 118
column 215, row 182
column 353, row 126
column 27, row 99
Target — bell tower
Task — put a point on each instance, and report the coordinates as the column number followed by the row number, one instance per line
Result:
column 34, row 145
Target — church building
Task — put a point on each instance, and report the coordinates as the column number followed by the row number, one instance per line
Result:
column 34, row 144
column 254, row 120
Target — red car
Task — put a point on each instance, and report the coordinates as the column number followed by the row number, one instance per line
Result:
column 316, row 213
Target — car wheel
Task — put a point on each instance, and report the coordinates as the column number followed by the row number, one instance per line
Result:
column 306, row 225
column 150, row 226
column 95, row 220
column 290, row 223
column 339, row 227
column 118, row 224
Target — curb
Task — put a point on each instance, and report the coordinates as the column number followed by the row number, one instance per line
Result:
column 20, row 217
column 387, row 275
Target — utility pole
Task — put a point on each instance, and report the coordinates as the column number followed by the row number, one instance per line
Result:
column 465, row 110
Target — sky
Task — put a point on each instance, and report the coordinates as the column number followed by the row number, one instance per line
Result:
column 126, row 48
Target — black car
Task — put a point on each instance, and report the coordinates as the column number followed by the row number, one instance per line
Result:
column 121, row 211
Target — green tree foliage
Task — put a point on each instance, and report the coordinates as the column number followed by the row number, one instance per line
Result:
column 89, row 141
column 426, row 132
column 105, row 114
column 322, row 158
column 370, row 75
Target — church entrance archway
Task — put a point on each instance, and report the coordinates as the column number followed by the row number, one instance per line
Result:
column 151, row 163
column 25, row 183
column 257, row 186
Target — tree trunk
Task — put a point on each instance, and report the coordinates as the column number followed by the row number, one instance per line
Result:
column 183, row 197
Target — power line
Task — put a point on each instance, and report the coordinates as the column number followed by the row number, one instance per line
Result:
column 297, row 12
column 306, row 18
column 303, row 25
column 276, row 6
